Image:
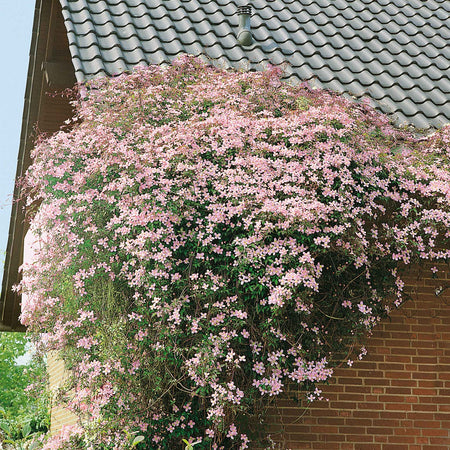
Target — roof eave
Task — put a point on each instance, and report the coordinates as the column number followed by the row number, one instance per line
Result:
column 10, row 302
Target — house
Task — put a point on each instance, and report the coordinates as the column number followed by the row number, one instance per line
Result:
column 395, row 52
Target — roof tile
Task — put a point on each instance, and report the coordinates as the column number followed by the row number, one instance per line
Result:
column 397, row 51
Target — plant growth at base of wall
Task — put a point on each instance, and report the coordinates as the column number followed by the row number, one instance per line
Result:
column 24, row 414
column 206, row 238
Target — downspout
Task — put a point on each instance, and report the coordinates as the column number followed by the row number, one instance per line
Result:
column 244, row 35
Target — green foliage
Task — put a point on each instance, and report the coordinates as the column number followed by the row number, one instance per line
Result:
column 22, row 414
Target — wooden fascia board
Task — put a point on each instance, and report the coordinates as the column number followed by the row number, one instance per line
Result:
column 9, row 300
column 58, row 74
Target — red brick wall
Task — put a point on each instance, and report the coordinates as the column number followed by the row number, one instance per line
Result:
column 397, row 397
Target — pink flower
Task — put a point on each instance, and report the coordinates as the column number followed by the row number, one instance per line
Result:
column 232, row 431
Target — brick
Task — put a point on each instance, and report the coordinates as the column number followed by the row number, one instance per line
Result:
column 398, row 406
column 423, row 359
column 398, row 374
column 360, row 422
column 430, row 383
column 386, row 423
column 369, row 447
column 424, row 391
column 433, row 447
column 343, row 405
column 424, row 407
column 360, row 438
column 371, row 406
column 392, row 398
column 333, row 437
column 384, row 431
column 394, row 415
column 392, row 366
column 321, row 446
column 424, row 375
column 403, row 383
column 352, row 397
column 346, row 430
column 378, row 390
column 350, row 381
column 356, row 389
column 383, row 350
column 402, row 440
column 406, row 423
column 407, row 431
column 398, row 447
column 323, row 413
column 437, row 441
column 434, row 368
column 367, row 365
column 444, row 375
column 366, row 414
column 303, row 438
column 434, row 432
column 370, row 374
column 427, row 424
column 375, row 381
column 398, row 358
column 325, row 429
column 403, row 351
column 333, row 388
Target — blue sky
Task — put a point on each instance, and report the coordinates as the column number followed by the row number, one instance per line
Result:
column 15, row 38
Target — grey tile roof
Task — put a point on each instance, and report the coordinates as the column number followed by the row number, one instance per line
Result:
column 395, row 51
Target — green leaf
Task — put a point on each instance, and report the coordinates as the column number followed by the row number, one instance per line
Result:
column 5, row 428
column 26, row 429
column 188, row 445
column 137, row 440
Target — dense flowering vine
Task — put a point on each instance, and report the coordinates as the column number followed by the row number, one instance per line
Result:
column 207, row 238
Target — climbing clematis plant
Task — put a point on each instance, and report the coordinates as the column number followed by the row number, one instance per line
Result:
column 208, row 238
